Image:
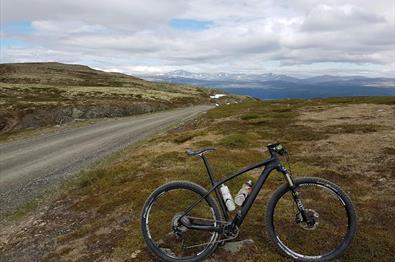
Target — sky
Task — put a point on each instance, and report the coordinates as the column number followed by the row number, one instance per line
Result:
column 294, row 37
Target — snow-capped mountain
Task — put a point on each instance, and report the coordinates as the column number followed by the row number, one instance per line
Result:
column 273, row 86
column 220, row 76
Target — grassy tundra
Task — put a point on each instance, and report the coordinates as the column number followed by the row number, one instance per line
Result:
column 34, row 95
column 349, row 141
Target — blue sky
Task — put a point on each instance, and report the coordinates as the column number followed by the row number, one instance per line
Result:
column 15, row 30
column 17, row 27
column 296, row 37
column 190, row 24
column 12, row 43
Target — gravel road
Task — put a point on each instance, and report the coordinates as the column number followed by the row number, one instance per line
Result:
column 30, row 167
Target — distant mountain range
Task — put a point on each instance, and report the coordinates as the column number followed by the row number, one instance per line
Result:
column 179, row 74
column 275, row 86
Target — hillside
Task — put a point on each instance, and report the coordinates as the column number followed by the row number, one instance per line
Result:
column 42, row 94
column 349, row 141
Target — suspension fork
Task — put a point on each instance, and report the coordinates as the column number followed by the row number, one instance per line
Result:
column 295, row 194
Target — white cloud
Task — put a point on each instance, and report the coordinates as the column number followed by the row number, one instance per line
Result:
column 285, row 36
column 325, row 17
column 125, row 14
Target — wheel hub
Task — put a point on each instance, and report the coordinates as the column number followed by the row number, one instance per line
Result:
column 312, row 220
column 177, row 227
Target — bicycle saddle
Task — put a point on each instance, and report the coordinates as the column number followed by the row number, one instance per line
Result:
column 191, row 152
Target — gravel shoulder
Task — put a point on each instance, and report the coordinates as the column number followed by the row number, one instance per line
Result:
column 32, row 166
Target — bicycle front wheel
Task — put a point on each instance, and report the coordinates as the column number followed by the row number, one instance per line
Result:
column 331, row 216
column 161, row 228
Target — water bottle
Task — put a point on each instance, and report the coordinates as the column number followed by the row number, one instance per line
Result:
column 230, row 205
column 243, row 193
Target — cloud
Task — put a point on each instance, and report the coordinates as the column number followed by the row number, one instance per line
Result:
column 125, row 14
column 327, row 18
column 204, row 35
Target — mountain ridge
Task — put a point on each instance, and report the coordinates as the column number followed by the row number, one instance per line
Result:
column 273, row 86
column 263, row 77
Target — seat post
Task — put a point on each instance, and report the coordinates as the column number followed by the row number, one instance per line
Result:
column 208, row 168
column 217, row 190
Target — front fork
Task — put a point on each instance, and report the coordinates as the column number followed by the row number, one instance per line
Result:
column 295, row 194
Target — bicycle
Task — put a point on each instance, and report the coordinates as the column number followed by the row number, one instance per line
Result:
column 307, row 219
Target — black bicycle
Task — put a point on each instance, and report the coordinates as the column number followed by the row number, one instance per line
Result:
column 307, row 219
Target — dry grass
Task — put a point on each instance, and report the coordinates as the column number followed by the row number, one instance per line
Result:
column 97, row 216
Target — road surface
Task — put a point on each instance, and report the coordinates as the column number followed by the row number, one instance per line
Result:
column 30, row 167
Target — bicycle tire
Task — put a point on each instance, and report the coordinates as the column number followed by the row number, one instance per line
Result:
column 275, row 240
column 145, row 231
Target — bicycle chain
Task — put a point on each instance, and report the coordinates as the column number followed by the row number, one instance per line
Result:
column 217, row 241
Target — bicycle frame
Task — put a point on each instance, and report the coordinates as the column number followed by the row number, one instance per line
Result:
column 269, row 164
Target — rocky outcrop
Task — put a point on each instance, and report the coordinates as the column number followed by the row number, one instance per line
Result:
column 39, row 117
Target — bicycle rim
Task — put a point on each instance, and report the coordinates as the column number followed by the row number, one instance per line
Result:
column 161, row 220
column 325, row 236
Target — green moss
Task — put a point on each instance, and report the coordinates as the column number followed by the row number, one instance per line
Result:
column 23, row 210
column 235, row 141
column 183, row 137
column 169, row 158
column 389, row 150
column 249, row 116
column 352, row 128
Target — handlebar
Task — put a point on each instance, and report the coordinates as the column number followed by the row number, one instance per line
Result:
column 277, row 148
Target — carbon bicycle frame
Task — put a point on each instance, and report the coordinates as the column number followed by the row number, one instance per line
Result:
column 270, row 165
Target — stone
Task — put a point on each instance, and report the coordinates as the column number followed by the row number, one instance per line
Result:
column 236, row 246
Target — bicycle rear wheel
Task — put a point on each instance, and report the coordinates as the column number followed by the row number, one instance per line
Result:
column 162, row 231
column 332, row 220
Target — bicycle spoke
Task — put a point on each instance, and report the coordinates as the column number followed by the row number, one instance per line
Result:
column 330, row 218
column 172, row 237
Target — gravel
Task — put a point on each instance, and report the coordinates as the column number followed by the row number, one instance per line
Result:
column 32, row 166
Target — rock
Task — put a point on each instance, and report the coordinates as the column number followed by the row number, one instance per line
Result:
column 77, row 113
column 124, row 219
column 236, row 246
column 58, row 115
column 135, row 253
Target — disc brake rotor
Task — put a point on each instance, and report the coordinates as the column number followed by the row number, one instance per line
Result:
column 311, row 215
column 176, row 226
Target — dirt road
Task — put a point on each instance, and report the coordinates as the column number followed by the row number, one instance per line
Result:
column 29, row 167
